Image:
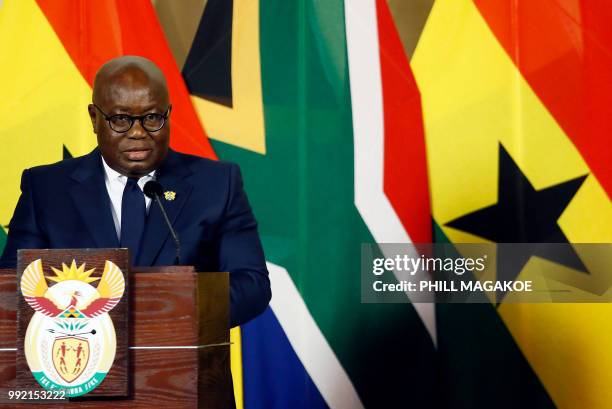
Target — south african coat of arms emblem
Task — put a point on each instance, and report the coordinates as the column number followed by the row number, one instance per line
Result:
column 70, row 342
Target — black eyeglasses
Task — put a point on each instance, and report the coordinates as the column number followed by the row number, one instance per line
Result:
column 122, row 123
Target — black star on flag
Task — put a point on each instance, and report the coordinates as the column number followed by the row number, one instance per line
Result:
column 523, row 214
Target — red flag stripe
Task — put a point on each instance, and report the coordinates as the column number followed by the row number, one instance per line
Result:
column 563, row 51
column 405, row 166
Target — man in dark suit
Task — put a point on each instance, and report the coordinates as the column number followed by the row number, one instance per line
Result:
column 97, row 200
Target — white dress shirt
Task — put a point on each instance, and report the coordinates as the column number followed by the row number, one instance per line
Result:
column 115, row 184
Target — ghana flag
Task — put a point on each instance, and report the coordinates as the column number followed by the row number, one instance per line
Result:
column 517, row 97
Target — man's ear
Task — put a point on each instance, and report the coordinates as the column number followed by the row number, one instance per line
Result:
column 92, row 114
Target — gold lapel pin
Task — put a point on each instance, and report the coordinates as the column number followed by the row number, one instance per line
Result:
column 169, row 195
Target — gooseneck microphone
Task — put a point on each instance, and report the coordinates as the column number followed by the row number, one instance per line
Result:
column 154, row 190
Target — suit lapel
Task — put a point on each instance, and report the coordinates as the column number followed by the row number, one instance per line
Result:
column 92, row 202
column 171, row 176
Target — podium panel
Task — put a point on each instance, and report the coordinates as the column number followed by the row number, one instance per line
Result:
column 178, row 342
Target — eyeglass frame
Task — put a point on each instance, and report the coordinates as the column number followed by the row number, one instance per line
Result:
column 134, row 118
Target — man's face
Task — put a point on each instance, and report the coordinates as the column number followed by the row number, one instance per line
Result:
column 136, row 152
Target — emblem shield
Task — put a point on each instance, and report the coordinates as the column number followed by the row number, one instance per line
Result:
column 70, row 357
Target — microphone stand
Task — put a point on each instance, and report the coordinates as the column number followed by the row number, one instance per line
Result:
column 177, row 243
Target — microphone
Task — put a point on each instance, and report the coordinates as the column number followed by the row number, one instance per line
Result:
column 154, row 190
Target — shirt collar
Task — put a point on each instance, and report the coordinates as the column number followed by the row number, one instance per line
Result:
column 112, row 174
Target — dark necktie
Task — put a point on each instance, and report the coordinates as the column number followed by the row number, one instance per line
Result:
column 133, row 215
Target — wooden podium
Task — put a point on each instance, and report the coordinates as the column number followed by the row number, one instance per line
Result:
column 178, row 342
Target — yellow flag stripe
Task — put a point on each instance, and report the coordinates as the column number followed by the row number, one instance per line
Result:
column 236, row 365
column 44, row 99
